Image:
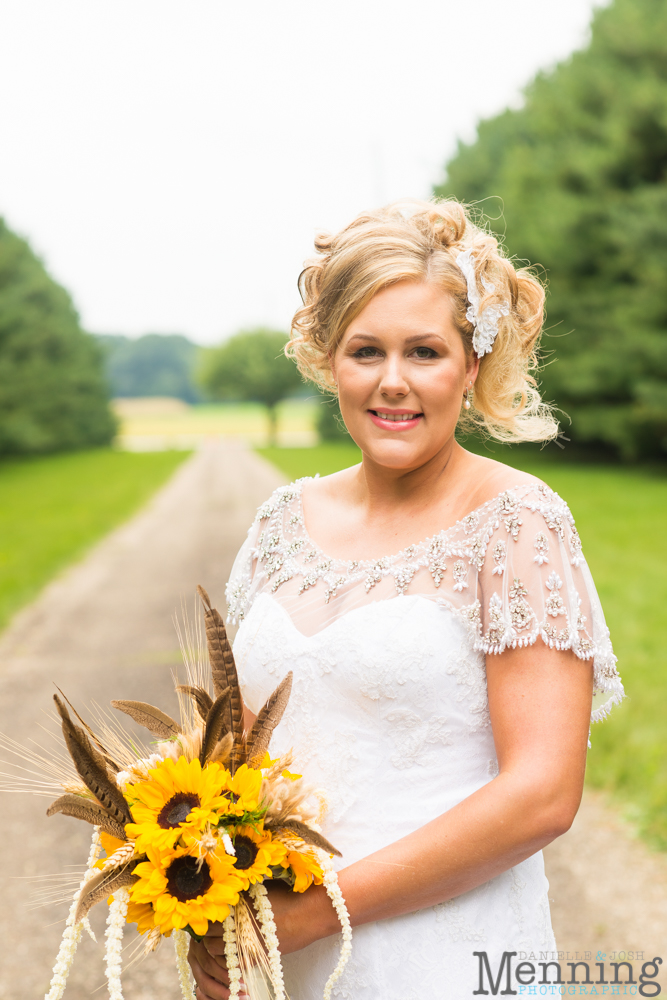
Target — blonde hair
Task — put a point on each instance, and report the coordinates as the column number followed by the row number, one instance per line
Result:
column 418, row 241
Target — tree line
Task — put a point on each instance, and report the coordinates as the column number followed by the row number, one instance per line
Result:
column 574, row 181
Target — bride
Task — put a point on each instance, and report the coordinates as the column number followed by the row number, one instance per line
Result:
column 440, row 619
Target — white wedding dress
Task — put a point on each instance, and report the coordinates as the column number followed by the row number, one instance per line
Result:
column 389, row 714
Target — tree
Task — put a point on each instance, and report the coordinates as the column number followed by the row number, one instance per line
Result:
column 329, row 422
column 580, row 172
column 251, row 366
column 153, row 365
column 53, row 394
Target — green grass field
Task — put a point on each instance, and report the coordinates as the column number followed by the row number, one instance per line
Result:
column 52, row 508
column 620, row 514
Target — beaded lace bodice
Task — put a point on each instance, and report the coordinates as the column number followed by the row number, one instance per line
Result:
column 512, row 570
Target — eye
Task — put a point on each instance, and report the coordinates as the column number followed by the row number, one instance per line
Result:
column 367, row 352
column 424, row 353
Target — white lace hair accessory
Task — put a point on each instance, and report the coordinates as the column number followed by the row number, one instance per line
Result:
column 486, row 321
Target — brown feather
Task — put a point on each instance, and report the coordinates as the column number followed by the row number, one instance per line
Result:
column 97, row 744
column 151, row 718
column 90, row 812
column 104, row 884
column 201, row 698
column 92, row 768
column 215, row 726
column 223, row 668
column 303, row 831
column 257, row 742
column 222, row 750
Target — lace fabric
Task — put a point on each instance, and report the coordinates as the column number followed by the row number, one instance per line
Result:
column 512, row 570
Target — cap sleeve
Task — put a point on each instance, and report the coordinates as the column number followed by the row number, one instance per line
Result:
column 260, row 556
column 534, row 583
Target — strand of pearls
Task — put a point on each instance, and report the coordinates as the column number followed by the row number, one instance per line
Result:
column 72, row 933
column 330, row 879
column 260, row 898
column 114, row 936
column 181, row 946
column 232, row 956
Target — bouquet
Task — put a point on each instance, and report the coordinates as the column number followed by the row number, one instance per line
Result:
column 191, row 832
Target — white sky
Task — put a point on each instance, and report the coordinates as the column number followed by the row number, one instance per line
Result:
column 170, row 161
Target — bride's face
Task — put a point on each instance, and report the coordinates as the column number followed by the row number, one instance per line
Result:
column 402, row 370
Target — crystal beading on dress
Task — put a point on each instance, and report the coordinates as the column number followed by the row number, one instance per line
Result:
column 525, row 537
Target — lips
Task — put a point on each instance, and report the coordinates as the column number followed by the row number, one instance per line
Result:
column 395, row 420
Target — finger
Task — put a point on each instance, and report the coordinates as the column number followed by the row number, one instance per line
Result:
column 215, row 967
column 214, row 945
column 207, row 987
column 215, row 972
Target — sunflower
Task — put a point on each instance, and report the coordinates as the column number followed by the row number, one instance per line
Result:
column 185, row 890
column 256, row 853
column 110, row 845
column 246, row 786
column 306, row 869
column 178, row 796
column 143, row 915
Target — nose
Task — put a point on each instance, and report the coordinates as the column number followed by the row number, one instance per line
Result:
column 393, row 382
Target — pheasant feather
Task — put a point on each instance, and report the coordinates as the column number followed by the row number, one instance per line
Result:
column 259, row 737
column 215, row 725
column 90, row 812
column 104, row 884
column 223, row 668
column 303, row 831
column 92, row 768
column 200, row 696
column 151, row 718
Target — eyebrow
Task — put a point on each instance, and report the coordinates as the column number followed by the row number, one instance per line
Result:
column 413, row 339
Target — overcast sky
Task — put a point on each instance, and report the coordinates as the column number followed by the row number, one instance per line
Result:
column 170, row 161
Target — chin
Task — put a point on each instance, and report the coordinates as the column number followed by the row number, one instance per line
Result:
column 395, row 454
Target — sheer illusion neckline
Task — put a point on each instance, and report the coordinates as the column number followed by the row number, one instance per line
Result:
column 423, row 543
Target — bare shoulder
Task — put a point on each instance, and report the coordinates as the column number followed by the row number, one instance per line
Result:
column 492, row 477
column 332, row 487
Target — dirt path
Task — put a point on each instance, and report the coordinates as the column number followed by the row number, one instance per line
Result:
column 104, row 630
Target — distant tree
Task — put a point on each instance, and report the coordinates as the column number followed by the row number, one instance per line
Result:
column 251, row 366
column 580, row 172
column 53, row 393
column 329, row 422
column 153, row 365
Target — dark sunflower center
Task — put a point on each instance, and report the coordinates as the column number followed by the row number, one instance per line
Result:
column 188, row 878
column 177, row 809
column 246, row 852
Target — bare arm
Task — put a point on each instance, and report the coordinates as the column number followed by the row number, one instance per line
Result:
column 540, row 702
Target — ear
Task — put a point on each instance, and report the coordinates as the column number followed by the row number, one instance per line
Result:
column 472, row 368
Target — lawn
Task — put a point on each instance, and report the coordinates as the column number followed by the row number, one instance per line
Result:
column 146, row 424
column 620, row 514
column 52, row 508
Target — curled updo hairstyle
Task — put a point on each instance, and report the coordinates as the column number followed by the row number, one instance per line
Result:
column 419, row 241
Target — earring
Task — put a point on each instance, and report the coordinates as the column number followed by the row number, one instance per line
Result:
column 466, row 401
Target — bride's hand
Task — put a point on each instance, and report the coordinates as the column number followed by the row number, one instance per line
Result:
column 209, row 970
